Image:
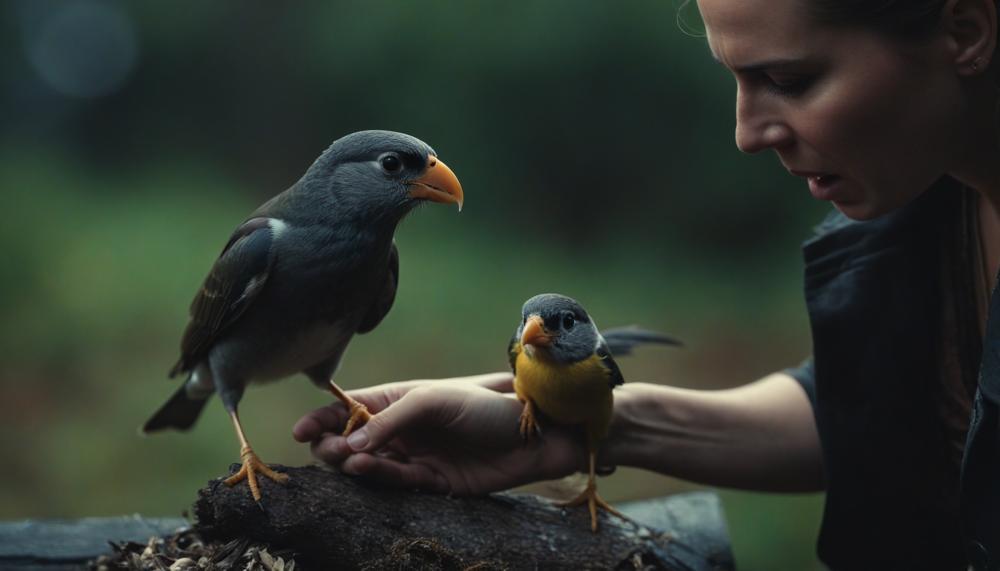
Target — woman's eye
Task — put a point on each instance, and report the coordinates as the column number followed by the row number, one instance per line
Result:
column 787, row 85
column 390, row 163
column 568, row 321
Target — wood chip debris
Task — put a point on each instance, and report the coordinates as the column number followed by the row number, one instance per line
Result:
column 185, row 551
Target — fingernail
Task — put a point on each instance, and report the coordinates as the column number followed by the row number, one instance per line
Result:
column 358, row 440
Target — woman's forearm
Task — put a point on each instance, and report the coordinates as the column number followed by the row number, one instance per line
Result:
column 760, row 436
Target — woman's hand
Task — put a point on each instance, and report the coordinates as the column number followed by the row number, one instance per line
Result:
column 456, row 436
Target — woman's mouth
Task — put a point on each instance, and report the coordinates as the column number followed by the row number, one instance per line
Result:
column 823, row 186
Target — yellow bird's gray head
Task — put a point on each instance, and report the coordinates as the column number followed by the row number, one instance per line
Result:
column 557, row 327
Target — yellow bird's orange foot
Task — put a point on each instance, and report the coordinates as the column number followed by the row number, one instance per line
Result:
column 593, row 500
column 359, row 416
column 252, row 465
column 529, row 425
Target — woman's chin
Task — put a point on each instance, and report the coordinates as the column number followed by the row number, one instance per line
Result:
column 860, row 210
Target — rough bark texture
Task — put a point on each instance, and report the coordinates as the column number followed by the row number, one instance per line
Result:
column 334, row 521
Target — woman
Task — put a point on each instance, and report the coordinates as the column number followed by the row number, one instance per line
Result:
column 890, row 110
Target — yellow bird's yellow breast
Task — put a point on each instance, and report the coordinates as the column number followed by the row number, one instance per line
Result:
column 568, row 393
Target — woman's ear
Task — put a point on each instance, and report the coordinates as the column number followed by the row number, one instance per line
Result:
column 971, row 30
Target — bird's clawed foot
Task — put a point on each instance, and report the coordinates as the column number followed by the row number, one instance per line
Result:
column 593, row 500
column 252, row 465
column 529, row 425
column 359, row 416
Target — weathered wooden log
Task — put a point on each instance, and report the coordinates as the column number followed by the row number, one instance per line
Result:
column 330, row 520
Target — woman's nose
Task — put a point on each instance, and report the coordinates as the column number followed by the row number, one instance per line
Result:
column 759, row 129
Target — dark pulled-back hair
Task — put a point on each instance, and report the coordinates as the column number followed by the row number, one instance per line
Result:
column 910, row 19
column 905, row 19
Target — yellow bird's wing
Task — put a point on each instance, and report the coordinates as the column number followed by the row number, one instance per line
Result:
column 513, row 349
column 615, row 377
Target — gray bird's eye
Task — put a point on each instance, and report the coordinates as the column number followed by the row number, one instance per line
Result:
column 390, row 163
column 568, row 321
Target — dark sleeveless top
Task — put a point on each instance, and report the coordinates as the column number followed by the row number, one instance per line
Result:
column 892, row 481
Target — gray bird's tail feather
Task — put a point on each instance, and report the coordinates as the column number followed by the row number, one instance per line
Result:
column 622, row 340
column 180, row 412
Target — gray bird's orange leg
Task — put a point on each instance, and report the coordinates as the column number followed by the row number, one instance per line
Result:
column 251, row 464
column 592, row 498
column 359, row 412
column 529, row 425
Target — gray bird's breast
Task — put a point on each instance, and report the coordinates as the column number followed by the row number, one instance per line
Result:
column 306, row 348
column 311, row 306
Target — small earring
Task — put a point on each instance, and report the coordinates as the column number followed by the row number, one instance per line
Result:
column 979, row 63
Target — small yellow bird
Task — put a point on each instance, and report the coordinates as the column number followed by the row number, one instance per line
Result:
column 564, row 369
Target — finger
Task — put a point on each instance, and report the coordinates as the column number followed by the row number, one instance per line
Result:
column 391, row 455
column 314, row 424
column 499, row 382
column 391, row 472
column 333, row 416
column 331, row 449
column 415, row 410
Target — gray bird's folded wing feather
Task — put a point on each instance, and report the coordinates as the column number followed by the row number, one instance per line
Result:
column 231, row 286
column 383, row 303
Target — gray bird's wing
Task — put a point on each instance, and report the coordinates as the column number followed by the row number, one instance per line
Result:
column 383, row 303
column 235, row 280
column 603, row 352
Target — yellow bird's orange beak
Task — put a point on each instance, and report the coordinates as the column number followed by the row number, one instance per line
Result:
column 438, row 184
column 535, row 334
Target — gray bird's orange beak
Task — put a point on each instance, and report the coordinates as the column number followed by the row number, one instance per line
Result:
column 535, row 334
column 438, row 184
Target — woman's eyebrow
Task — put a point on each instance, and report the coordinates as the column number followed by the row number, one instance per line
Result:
column 768, row 64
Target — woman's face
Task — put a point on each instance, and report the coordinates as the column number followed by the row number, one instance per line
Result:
column 868, row 121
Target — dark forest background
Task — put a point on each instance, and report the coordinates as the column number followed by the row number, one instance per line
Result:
column 594, row 142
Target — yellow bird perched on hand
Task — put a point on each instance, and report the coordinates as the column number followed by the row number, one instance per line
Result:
column 564, row 369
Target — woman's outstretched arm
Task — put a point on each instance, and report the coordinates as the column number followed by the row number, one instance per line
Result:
column 460, row 436
column 760, row 436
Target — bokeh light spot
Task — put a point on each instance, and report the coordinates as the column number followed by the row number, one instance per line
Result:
column 84, row 49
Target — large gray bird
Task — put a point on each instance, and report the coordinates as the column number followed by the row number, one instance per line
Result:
column 305, row 272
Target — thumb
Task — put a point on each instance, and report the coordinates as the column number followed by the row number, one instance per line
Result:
column 415, row 409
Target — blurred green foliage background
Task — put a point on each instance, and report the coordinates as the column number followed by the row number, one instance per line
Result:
column 594, row 141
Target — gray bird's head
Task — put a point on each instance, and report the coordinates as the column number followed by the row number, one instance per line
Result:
column 379, row 175
column 557, row 327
